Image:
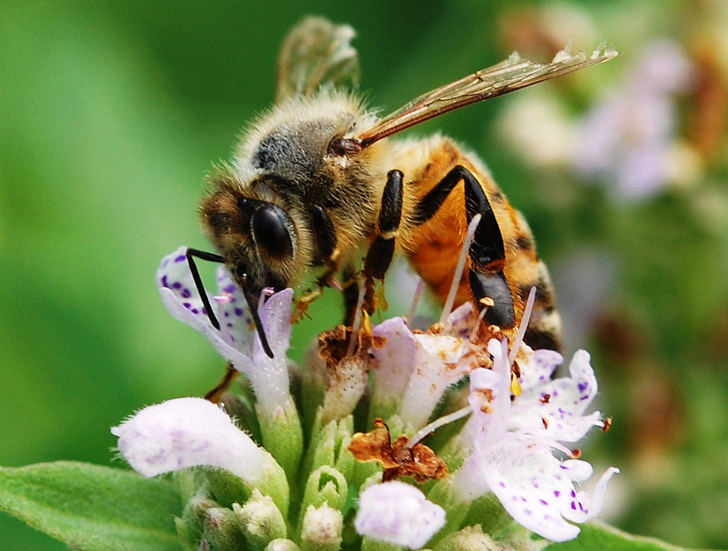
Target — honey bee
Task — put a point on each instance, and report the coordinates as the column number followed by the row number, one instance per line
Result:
column 314, row 183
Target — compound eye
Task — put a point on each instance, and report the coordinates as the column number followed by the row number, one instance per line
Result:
column 270, row 230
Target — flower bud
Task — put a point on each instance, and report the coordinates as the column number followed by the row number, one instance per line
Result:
column 321, row 530
column 260, row 521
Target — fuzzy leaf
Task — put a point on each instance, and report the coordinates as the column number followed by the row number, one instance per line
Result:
column 93, row 508
column 598, row 536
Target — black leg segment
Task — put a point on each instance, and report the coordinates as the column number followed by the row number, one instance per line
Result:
column 380, row 254
column 487, row 251
column 324, row 232
column 494, row 286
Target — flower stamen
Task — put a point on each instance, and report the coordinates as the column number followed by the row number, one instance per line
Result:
column 436, row 424
column 524, row 325
column 457, row 276
column 419, row 289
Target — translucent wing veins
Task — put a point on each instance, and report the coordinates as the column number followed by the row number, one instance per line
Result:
column 316, row 53
column 509, row 75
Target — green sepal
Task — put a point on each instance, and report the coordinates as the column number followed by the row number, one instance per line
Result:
column 324, row 486
column 329, row 444
column 93, row 508
column 371, row 544
column 222, row 531
column 190, row 526
column 228, row 488
column 488, row 513
column 596, row 536
column 344, row 462
column 441, row 494
column 283, row 437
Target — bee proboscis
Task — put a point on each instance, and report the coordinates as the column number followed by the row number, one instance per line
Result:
column 314, row 182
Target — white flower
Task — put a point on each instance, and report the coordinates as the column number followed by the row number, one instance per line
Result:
column 236, row 340
column 413, row 370
column 189, row 432
column 398, row 513
column 513, row 441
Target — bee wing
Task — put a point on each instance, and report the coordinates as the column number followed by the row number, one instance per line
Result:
column 316, row 53
column 509, row 75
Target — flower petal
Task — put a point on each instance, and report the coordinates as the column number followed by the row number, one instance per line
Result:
column 188, row 432
column 237, row 339
column 535, row 489
column 394, row 360
column 398, row 513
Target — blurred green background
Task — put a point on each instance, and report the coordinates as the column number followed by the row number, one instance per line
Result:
column 112, row 113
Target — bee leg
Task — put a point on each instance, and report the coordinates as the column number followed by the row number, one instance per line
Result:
column 381, row 251
column 214, row 395
column 326, row 240
column 486, row 252
column 351, row 293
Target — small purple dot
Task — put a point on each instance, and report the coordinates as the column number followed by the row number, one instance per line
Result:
column 230, row 325
column 194, row 310
column 573, row 506
column 176, row 285
column 226, row 314
column 238, row 312
column 180, row 258
column 543, row 502
column 573, row 493
column 186, row 293
column 187, row 305
column 557, row 493
column 163, row 281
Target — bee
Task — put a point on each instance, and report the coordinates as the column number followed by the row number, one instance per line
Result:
column 315, row 182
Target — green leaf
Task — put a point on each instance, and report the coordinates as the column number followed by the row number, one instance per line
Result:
column 93, row 508
column 597, row 536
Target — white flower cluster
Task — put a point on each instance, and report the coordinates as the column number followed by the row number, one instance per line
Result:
column 514, row 445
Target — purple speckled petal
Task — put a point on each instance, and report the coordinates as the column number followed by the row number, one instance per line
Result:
column 175, row 281
column 514, row 441
column 531, row 486
column 236, row 323
column 540, row 368
column 236, row 341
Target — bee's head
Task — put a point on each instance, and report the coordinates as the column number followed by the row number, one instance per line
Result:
column 255, row 232
column 260, row 214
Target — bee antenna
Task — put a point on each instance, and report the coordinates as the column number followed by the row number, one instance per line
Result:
column 253, row 307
